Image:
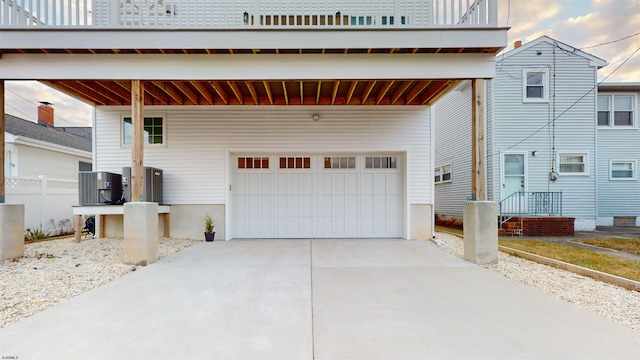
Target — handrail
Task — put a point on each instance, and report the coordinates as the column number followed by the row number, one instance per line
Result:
column 530, row 203
column 243, row 14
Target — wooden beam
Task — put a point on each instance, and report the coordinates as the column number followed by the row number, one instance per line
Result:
column 169, row 90
column 252, row 91
column 2, row 128
column 186, row 90
column 444, row 89
column 433, row 91
column 268, row 90
column 352, row 88
column 284, row 89
column 137, row 145
column 383, row 92
column 477, row 138
column 73, row 92
column 301, row 92
column 417, row 90
column 367, row 91
column 78, row 229
column 104, row 90
column 336, row 85
column 204, row 91
column 236, row 91
column 124, row 95
column 318, row 91
column 220, row 91
column 155, row 92
column 399, row 91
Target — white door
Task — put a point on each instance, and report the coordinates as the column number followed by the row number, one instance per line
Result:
column 514, row 181
column 317, row 196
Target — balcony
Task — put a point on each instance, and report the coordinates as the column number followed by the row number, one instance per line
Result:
column 244, row 14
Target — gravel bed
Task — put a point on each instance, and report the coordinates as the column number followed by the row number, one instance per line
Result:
column 607, row 300
column 52, row 271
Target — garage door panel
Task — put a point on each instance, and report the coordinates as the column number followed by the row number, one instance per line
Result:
column 366, row 205
column 306, row 184
column 351, row 183
column 338, row 184
column 306, row 206
column 393, row 184
column 392, row 207
column 380, row 183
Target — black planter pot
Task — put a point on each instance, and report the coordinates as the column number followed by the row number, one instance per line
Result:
column 210, row 236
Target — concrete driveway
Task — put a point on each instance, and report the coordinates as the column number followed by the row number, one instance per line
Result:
column 320, row 299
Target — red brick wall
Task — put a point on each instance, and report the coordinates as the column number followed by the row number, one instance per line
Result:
column 45, row 115
column 546, row 226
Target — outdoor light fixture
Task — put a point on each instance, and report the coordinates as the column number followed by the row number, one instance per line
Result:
column 316, row 117
column 245, row 17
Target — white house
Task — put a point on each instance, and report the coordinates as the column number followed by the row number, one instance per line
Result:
column 41, row 165
column 281, row 118
column 541, row 136
column 618, row 153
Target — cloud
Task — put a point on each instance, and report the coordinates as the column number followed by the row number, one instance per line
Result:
column 606, row 20
column 23, row 97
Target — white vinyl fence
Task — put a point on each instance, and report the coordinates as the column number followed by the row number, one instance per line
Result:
column 47, row 202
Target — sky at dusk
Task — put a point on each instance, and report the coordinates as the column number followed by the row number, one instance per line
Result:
column 579, row 23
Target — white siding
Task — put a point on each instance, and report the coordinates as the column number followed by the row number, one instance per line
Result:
column 514, row 121
column 618, row 197
column 453, row 146
column 198, row 140
column 35, row 162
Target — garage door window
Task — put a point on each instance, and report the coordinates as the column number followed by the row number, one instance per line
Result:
column 381, row 162
column 253, row 163
column 340, row 162
column 295, row 163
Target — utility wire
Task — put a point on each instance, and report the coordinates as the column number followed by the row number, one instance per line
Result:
column 28, row 116
column 611, row 42
column 33, row 103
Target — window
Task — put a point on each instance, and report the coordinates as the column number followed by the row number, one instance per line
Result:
column 253, row 163
column 442, row 174
column 340, row 162
column 622, row 170
column 573, row 164
column 536, row 86
column 153, row 130
column 84, row 166
column 616, row 110
column 381, row 162
column 295, row 163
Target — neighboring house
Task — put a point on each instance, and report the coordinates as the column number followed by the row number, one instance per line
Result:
column 41, row 168
column 281, row 119
column 536, row 166
column 618, row 154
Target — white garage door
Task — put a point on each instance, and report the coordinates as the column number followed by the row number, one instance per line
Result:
column 317, row 196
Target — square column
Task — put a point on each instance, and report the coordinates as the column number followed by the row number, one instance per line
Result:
column 481, row 232
column 11, row 231
column 140, row 233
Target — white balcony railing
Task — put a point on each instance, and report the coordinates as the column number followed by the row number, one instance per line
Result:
column 242, row 14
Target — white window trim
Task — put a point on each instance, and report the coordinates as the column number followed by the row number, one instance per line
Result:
column 634, row 109
column 633, row 168
column 545, row 86
column 441, row 168
column 574, row 153
column 164, row 129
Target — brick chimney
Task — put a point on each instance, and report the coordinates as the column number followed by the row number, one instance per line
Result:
column 45, row 114
column 517, row 44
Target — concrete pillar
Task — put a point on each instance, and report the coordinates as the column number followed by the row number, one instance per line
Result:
column 140, row 233
column 11, row 231
column 481, row 232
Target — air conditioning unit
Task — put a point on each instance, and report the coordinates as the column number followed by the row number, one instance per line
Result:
column 99, row 188
column 151, row 188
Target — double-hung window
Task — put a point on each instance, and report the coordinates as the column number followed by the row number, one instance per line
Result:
column 535, row 85
column 622, row 170
column 442, row 174
column 573, row 164
column 616, row 110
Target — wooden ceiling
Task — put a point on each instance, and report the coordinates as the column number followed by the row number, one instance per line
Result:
column 271, row 92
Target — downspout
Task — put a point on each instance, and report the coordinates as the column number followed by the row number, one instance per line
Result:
column 595, row 144
column 433, row 165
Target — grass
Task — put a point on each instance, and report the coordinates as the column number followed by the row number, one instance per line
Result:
column 586, row 258
column 590, row 259
column 628, row 245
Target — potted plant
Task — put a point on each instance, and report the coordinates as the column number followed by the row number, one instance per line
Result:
column 209, row 234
